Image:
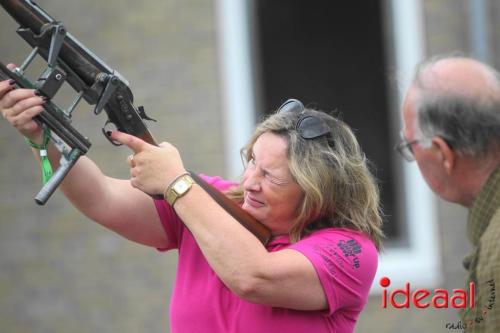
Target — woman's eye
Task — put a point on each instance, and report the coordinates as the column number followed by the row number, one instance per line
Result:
column 277, row 181
column 272, row 179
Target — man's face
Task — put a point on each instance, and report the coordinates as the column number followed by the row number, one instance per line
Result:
column 429, row 159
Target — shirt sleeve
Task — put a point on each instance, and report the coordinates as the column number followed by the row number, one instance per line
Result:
column 345, row 262
column 172, row 224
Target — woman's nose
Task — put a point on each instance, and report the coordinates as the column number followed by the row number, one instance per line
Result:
column 251, row 180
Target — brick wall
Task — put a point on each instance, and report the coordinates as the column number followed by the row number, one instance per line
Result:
column 60, row 272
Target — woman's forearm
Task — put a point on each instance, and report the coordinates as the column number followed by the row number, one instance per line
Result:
column 112, row 203
column 232, row 251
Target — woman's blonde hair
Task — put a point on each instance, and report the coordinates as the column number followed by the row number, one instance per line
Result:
column 339, row 190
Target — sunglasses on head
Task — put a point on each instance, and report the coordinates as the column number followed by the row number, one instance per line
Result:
column 308, row 126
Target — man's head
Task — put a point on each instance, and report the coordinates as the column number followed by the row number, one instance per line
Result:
column 451, row 116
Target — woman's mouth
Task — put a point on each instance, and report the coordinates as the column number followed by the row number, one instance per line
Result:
column 249, row 200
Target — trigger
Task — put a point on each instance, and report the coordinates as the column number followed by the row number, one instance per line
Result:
column 143, row 114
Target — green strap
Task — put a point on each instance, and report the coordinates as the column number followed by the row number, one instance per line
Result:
column 44, row 159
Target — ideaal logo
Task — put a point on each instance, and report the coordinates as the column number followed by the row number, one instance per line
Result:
column 481, row 312
column 441, row 299
column 423, row 298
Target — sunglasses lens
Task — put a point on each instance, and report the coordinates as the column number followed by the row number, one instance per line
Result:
column 311, row 127
column 291, row 105
column 308, row 126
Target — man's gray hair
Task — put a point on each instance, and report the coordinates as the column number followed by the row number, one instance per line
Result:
column 470, row 125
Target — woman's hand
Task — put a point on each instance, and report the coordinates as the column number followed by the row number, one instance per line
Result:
column 19, row 106
column 152, row 168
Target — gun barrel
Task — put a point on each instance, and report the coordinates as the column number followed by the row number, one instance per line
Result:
column 20, row 11
column 79, row 58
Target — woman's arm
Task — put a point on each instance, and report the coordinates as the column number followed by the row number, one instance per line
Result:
column 113, row 203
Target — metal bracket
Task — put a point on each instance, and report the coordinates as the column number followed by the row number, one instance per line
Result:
column 56, row 41
column 111, row 85
column 51, row 81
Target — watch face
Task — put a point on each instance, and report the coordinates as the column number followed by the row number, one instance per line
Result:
column 181, row 186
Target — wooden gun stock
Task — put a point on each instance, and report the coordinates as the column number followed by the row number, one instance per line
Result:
column 255, row 227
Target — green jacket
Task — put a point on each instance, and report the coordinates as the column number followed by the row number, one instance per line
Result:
column 483, row 264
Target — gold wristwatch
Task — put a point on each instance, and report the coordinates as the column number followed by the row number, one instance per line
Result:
column 179, row 187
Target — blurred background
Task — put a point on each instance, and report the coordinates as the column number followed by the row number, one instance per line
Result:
column 208, row 71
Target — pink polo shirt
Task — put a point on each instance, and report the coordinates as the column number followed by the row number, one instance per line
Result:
column 345, row 261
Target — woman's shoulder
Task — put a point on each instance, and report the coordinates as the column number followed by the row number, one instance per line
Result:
column 347, row 242
column 344, row 254
column 342, row 233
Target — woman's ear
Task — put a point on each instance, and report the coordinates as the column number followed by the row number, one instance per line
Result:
column 446, row 153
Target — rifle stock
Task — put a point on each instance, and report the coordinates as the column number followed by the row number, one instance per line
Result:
column 248, row 221
column 99, row 85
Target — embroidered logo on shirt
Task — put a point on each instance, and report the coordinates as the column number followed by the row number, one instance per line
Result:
column 350, row 248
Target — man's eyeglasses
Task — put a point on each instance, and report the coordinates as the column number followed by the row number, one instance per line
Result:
column 405, row 148
column 308, row 126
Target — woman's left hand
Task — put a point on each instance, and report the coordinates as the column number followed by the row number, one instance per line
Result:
column 152, row 168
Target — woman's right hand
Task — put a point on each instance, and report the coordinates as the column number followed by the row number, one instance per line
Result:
column 18, row 107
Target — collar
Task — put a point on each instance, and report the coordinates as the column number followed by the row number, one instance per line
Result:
column 278, row 241
column 483, row 207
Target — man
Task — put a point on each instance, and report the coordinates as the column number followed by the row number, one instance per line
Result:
column 451, row 116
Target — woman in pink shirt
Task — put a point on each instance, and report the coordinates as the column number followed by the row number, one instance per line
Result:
column 306, row 179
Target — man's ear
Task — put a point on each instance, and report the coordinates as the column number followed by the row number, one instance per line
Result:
column 446, row 154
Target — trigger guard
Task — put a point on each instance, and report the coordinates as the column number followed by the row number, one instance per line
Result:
column 105, row 131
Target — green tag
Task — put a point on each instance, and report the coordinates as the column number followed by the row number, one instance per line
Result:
column 44, row 159
column 46, row 167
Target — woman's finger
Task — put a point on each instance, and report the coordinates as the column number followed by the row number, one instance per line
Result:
column 25, row 117
column 14, row 96
column 25, row 104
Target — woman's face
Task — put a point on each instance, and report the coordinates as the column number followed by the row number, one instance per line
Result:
column 270, row 193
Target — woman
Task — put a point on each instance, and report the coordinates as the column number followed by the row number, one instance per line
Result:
column 306, row 180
